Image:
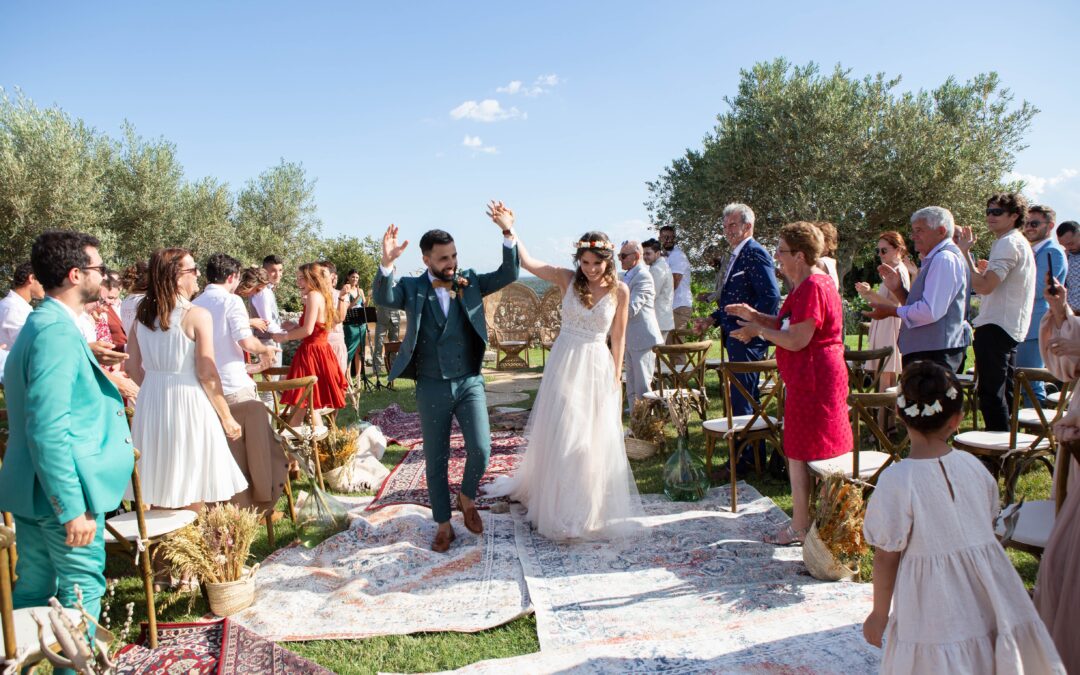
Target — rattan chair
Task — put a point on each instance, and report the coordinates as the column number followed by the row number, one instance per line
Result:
column 513, row 327
column 549, row 321
column 741, row 430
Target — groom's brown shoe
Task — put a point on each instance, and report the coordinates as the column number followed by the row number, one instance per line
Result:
column 473, row 522
column 443, row 539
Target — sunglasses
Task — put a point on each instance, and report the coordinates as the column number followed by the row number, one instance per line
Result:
column 995, row 211
column 1035, row 223
column 624, row 256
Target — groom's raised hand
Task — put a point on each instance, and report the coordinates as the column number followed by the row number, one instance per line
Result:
column 391, row 250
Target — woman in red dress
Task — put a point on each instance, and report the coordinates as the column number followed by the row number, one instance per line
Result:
column 808, row 335
column 314, row 356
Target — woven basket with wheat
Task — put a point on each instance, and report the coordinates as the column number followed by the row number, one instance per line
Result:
column 834, row 546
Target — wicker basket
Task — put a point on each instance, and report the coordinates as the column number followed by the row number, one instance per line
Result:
column 639, row 449
column 820, row 562
column 229, row 597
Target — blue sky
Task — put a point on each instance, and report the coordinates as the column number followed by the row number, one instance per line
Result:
column 384, row 103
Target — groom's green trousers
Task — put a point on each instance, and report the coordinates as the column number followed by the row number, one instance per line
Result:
column 438, row 401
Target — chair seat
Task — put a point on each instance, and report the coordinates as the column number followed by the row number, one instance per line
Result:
column 1030, row 417
column 892, row 390
column 159, row 522
column 26, row 637
column 1033, row 525
column 997, row 441
column 870, row 461
column 714, row 363
column 305, row 434
column 670, row 393
column 966, row 378
column 1054, row 397
column 512, row 343
column 739, row 423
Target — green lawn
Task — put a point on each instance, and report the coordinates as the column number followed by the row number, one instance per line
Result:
column 438, row 651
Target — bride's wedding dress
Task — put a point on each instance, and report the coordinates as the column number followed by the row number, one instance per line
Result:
column 575, row 479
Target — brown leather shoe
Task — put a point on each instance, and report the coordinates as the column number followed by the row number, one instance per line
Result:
column 471, row 516
column 442, row 541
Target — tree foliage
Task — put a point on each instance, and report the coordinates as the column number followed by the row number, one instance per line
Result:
column 798, row 144
column 131, row 192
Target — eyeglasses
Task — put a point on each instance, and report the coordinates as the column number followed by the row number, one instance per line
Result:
column 100, row 268
column 995, row 211
column 1035, row 223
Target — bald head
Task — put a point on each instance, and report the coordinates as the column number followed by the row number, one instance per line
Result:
column 630, row 254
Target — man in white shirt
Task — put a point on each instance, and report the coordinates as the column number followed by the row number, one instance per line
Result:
column 1007, row 285
column 15, row 308
column 257, row 452
column 682, row 303
column 265, row 303
column 665, row 285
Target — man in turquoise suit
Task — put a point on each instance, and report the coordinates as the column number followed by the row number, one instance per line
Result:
column 443, row 351
column 69, row 456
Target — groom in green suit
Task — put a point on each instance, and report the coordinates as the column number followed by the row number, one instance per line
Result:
column 443, row 351
column 69, row 456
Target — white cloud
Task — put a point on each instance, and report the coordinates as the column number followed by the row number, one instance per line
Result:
column 474, row 143
column 1036, row 187
column 540, row 85
column 512, row 88
column 488, row 110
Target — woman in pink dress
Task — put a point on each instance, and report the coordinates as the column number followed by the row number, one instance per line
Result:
column 891, row 250
column 810, row 357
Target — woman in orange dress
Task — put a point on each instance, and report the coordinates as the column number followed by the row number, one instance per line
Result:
column 315, row 356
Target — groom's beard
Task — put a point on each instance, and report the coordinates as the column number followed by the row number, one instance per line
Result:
column 447, row 275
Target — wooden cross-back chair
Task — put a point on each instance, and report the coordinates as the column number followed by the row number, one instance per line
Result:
column 136, row 533
column 864, row 466
column 301, row 442
column 1039, row 421
column 1026, row 526
column 681, row 372
column 1003, row 450
column 863, row 332
column 23, row 649
column 865, row 367
column 741, row 430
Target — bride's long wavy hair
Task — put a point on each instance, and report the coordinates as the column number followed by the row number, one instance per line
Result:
column 605, row 253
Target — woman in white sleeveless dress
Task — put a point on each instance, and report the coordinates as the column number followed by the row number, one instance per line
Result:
column 181, row 418
column 575, row 479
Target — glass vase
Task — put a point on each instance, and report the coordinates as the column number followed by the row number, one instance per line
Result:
column 685, row 479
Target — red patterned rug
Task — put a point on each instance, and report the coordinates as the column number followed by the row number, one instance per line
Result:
column 212, row 648
column 400, row 427
column 407, row 483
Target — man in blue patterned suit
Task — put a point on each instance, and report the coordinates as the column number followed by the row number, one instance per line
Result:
column 443, row 351
column 747, row 275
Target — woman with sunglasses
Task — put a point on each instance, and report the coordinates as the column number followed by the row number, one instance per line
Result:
column 891, row 250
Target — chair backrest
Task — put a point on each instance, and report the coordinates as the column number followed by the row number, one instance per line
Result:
column 865, row 367
column 768, row 373
column 865, row 408
column 683, row 366
column 1022, row 379
column 515, row 316
column 550, row 314
column 863, row 331
column 7, row 611
column 282, row 413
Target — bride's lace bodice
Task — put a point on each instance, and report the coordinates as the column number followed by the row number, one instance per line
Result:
column 585, row 323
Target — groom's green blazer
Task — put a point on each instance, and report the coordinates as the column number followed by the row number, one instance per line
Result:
column 410, row 294
column 69, row 450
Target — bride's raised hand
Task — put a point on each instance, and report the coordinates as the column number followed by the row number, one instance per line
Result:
column 500, row 215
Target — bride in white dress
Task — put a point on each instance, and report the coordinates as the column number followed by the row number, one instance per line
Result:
column 575, row 480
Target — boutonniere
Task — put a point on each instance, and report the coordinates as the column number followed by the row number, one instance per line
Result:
column 459, row 282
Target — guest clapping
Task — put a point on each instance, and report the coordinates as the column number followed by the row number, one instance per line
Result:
column 891, row 250
column 810, row 355
column 315, row 356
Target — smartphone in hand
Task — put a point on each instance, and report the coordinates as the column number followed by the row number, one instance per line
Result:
column 1052, row 286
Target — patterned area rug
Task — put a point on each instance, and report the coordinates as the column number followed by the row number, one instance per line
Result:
column 701, row 593
column 400, row 427
column 407, row 483
column 219, row 647
column 381, row 578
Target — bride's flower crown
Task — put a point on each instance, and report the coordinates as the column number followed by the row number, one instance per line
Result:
column 595, row 244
